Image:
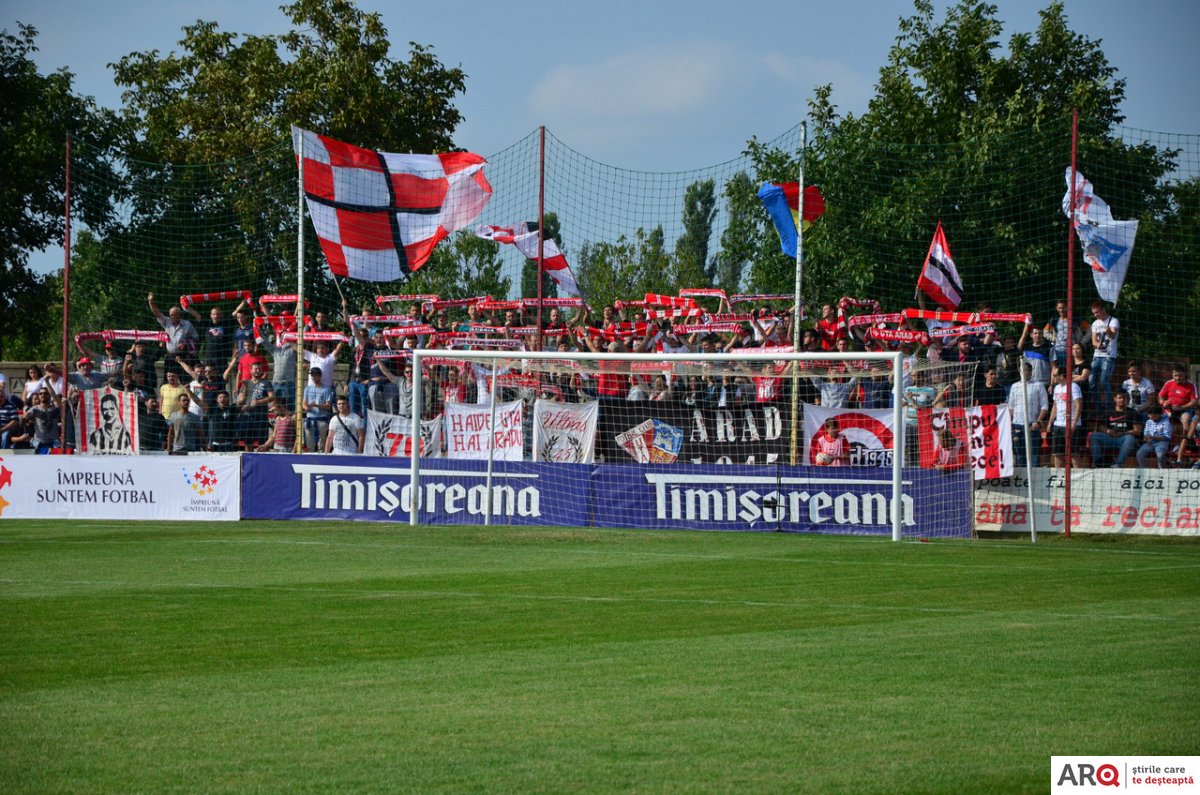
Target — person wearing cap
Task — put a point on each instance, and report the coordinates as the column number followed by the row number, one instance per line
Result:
column 107, row 363
column 318, row 408
column 85, row 376
column 110, row 364
column 1156, row 437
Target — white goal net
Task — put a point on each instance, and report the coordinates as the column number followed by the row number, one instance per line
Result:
column 760, row 441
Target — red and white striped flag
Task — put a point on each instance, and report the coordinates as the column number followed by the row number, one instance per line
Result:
column 379, row 215
column 939, row 276
column 554, row 263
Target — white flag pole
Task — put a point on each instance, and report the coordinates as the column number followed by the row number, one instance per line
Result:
column 798, row 301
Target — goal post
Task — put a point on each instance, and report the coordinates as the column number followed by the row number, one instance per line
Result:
column 534, row 378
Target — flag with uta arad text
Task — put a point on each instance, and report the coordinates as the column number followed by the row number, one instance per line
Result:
column 939, row 275
column 379, row 215
column 783, row 205
column 1107, row 243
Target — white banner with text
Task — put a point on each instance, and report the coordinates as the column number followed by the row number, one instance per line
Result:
column 200, row 488
column 1148, row 501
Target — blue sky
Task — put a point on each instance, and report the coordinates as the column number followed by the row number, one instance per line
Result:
column 653, row 85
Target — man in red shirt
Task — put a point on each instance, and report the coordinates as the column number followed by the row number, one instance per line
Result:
column 829, row 328
column 1179, row 398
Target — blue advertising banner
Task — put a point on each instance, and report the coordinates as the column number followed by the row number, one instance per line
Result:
column 780, row 498
column 699, row 497
column 377, row 489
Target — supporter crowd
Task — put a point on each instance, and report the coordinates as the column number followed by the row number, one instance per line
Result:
column 224, row 383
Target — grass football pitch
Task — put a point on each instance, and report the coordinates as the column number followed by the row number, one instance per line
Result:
column 347, row 657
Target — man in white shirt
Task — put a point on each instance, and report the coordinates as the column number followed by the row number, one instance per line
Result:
column 324, row 360
column 1140, row 390
column 1105, row 329
column 1035, row 393
column 1062, row 411
column 346, row 431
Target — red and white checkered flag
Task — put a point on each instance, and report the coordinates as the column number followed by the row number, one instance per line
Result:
column 379, row 215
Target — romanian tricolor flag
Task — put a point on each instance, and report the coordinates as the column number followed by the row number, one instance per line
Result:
column 783, row 205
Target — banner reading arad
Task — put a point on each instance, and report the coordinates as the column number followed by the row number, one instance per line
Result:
column 868, row 434
column 653, row 431
column 468, row 432
column 107, row 422
column 565, row 433
column 390, row 435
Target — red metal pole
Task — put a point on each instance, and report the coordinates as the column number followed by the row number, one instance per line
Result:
column 541, row 226
column 1070, row 316
column 66, row 320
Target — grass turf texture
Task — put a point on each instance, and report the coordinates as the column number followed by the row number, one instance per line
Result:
column 333, row 657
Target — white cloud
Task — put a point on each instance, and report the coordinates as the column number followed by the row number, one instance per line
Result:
column 680, row 99
column 851, row 88
column 645, row 82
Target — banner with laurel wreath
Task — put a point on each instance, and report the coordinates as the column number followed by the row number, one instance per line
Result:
column 565, row 433
column 390, row 435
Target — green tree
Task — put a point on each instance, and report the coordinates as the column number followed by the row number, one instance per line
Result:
column 966, row 133
column 742, row 229
column 610, row 272
column 691, row 265
column 37, row 113
column 213, row 176
column 464, row 266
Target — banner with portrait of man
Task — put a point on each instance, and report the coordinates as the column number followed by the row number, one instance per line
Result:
column 107, row 422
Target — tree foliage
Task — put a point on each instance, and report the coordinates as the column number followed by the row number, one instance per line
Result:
column 692, row 268
column 213, row 171
column 37, row 113
column 964, row 132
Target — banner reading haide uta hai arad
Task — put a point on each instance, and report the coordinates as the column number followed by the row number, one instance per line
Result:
column 468, row 426
column 144, row 487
